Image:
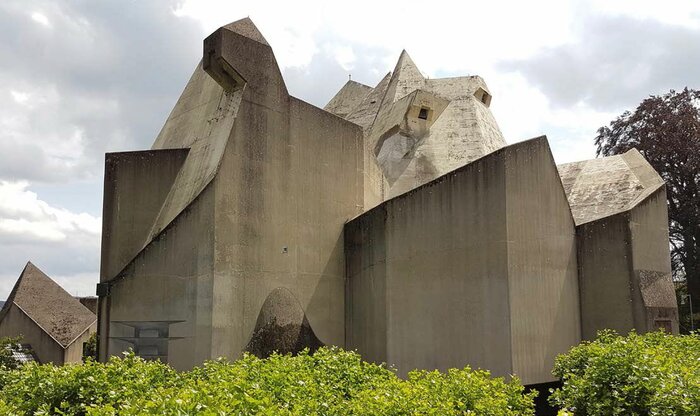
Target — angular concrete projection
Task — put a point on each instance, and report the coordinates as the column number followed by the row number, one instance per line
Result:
column 477, row 267
column 230, row 234
column 619, row 204
column 462, row 128
column 245, row 193
column 348, row 98
column 51, row 322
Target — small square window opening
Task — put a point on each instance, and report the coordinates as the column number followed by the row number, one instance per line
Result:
column 423, row 114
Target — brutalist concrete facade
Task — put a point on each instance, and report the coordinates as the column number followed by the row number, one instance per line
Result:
column 476, row 267
column 396, row 221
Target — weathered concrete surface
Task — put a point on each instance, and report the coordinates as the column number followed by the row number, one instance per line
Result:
column 229, row 234
column 461, row 129
column 138, row 184
column 348, row 98
column 619, row 203
column 257, row 206
column 477, row 267
column 47, row 318
column 285, row 190
column 625, row 271
column 598, row 188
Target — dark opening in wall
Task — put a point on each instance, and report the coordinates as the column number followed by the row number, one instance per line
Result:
column 483, row 96
column 423, row 114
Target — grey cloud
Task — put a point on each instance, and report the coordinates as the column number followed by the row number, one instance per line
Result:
column 107, row 72
column 116, row 69
column 318, row 82
column 617, row 62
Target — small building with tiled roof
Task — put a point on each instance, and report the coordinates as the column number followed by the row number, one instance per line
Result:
column 51, row 321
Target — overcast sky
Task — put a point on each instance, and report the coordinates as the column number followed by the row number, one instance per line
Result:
column 81, row 78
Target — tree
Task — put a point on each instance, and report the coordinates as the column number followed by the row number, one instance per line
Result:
column 666, row 130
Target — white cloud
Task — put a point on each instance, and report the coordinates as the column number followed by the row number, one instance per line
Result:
column 345, row 56
column 19, row 97
column 62, row 243
column 25, row 217
column 41, row 19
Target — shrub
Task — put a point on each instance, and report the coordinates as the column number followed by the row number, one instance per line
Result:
column 651, row 374
column 90, row 347
column 329, row 382
column 8, row 345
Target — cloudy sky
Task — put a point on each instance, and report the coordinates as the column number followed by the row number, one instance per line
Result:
column 84, row 77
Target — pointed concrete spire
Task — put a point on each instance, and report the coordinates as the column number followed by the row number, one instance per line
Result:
column 405, row 79
column 247, row 28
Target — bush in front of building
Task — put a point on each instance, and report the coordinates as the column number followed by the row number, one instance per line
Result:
column 650, row 374
column 329, row 382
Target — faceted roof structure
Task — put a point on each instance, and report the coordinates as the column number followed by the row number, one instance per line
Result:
column 602, row 187
column 53, row 309
column 259, row 222
column 449, row 125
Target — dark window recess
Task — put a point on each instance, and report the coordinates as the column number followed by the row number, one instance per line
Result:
column 423, row 114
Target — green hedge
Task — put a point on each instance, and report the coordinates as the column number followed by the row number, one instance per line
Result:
column 651, row 374
column 328, row 382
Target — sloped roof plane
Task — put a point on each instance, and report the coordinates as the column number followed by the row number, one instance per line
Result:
column 53, row 309
column 606, row 186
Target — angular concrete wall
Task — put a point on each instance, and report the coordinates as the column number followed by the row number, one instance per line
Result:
column 476, row 267
column 284, row 191
column 651, row 263
column 261, row 242
column 543, row 281
column 625, row 271
column 136, row 185
column 169, row 282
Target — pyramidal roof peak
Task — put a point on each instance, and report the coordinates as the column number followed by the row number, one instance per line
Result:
column 247, row 28
column 405, row 79
column 58, row 313
column 405, row 63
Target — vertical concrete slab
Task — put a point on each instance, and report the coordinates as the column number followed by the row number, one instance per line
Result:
column 136, row 185
column 651, row 265
column 477, row 267
column 604, row 276
column 169, row 283
column 625, row 270
column 439, row 252
column 288, row 181
column 543, row 282
column 365, row 285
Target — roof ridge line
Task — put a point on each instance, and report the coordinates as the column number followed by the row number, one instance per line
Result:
column 39, row 325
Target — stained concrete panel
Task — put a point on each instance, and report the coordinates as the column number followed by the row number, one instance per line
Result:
column 541, row 262
column 348, row 98
column 606, row 186
column 288, row 181
column 441, row 276
column 625, row 271
column 136, row 186
column 169, row 281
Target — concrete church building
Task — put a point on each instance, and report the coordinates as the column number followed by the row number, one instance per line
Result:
column 396, row 221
